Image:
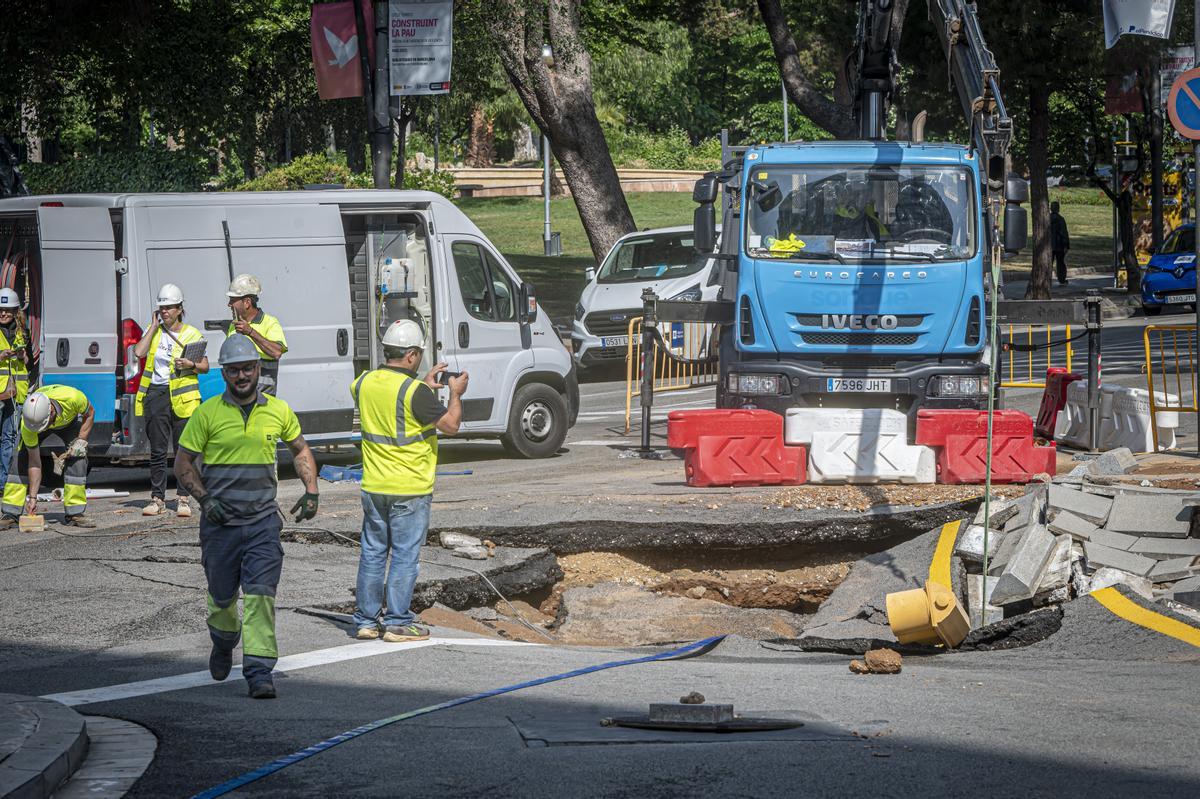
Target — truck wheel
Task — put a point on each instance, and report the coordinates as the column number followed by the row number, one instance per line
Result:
column 537, row 422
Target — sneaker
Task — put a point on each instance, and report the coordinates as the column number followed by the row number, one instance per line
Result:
column 80, row 521
column 220, row 661
column 155, row 507
column 367, row 634
column 405, row 632
column 183, row 509
column 264, row 689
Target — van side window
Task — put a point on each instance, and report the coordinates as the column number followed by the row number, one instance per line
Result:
column 504, row 291
column 473, row 280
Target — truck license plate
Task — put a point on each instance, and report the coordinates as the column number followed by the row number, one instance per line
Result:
column 614, row 341
column 858, row 385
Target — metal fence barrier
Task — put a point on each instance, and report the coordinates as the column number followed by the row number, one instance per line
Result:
column 685, row 356
column 1171, row 360
column 1027, row 368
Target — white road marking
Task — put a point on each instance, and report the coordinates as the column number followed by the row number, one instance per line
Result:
column 304, row 660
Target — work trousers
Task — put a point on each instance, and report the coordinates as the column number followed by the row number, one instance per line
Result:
column 16, row 487
column 268, row 377
column 10, row 431
column 396, row 526
column 249, row 557
column 1060, row 265
column 163, row 428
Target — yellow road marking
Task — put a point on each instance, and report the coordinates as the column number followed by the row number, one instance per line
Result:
column 939, row 568
column 1131, row 611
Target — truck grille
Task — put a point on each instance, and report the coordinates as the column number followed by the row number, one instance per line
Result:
column 815, row 319
column 610, row 323
column 860, row 339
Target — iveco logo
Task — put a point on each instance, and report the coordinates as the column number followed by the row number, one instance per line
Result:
column 856, row 321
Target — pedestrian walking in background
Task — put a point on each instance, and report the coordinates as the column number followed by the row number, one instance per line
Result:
column 401, row 417
column 14, row 375
column 1060, row 242
column 169, row 391
column 261, row 328
column 236, row 435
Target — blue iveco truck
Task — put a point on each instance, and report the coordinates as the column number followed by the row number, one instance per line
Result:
column 858, row 270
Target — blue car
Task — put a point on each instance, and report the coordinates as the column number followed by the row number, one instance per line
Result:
column 1170, row 277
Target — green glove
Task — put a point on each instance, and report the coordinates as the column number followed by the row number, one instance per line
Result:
column 305, row 507
column 214, row 512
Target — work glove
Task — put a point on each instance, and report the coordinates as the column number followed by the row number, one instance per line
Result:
column 60, row 460
column 214, row 511
column 305, row 507
column 78, row 449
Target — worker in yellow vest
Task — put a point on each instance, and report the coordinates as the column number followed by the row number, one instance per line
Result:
column 400, row 419
column 169, row 391
column 14, row 375
column 261, row 328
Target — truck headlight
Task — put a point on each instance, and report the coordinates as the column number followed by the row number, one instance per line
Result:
column 579, row 312
column 755, row 384
column 692, row 294
column 958, row 386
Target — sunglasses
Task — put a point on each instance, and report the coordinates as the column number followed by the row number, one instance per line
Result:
column 236, row 369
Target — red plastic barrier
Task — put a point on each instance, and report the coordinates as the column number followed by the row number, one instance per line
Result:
column 961, row 441
column 684, row 428
column 744, row 460
column 1054, row 399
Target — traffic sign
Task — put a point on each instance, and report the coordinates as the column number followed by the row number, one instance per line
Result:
column 1183, row 104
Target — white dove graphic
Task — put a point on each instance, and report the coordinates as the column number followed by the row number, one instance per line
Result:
column 343, row 52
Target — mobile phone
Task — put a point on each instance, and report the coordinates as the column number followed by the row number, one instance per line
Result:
column 441, row 376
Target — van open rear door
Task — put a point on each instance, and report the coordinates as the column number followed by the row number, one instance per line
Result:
column 79, row 307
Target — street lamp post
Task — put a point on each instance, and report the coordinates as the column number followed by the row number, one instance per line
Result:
column 548, row 60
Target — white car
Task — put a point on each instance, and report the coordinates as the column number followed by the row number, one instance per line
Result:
column 664, row 260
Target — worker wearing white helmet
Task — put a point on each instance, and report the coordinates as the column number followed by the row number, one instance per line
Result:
column 400, row 419
column 168, row 391
column 14, row 374
column 261, row 328
column 52, row 411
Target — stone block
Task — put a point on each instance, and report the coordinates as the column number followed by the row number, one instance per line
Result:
column 1106, row 577
column 676, row 713
column 1004, row 552
column 1025, row 567
column 1113, row 462
column 1188, row 584
column 1159, row 515
column 980, row 615
column 1099, row 555
column 1119, row 541
column 969, row 546
column 1055, row 597
column 1092, row 507
column 1068, row 523
column 1002, row 511
column 1164, row 548
column 1028, row 506
column 1058, row 570
column 1176, row 569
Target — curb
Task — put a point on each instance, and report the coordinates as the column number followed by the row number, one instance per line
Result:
column 42, row 743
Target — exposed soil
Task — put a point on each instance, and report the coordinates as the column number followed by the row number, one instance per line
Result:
column 859, row 498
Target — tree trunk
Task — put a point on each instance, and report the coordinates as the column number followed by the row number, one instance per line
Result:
column 525, row 148
column 1039, row 192
column 356, row 156
column 481, row 140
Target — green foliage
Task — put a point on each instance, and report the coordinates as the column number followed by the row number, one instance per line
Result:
column 305, row 170
column 1079, row 195
column 672, row 150
column 428, row 180
column 145, row 170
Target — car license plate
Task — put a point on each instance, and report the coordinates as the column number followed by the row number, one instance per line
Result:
column 614, row 341
column 859, row 385
column 1182, row 298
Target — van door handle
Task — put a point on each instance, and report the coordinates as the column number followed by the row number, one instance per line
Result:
column 464, row 335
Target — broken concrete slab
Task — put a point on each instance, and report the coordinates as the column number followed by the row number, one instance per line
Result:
column 1113, row 462
column 1099, row 555
column 1002, row 511
column 1004, row 552
column 1058, row 570
column 979, row 614
column 969, row 546
column 1106, row 577
column 1030, row 507
column 1160, row 515
column 1119, row 541
column 1068, row 523
column 1164, row 548
column 1018, row 631
column 1026, row 566
column 1188, row 584
column 1092, row 507
column 1175, row 569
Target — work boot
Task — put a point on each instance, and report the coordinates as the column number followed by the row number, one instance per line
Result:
column 8, row 522
column 184, row 509
column 220, row 662
column 155, row 507
column 395, row 634
column 264, row 689
column 80, row 521
column 367, row 634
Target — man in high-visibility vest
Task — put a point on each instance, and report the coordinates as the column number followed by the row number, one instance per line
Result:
column 236, row 435
column 261, row 328
column 400, row 419
column 14, row 376
column 63, row 412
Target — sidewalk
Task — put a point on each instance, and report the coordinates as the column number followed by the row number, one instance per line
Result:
column 41, row 744
column 1117, row 303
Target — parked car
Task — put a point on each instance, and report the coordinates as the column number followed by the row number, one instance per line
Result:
column 664, row 260
column 1170, row 277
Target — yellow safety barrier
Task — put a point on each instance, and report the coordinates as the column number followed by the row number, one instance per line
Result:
column 1177, row 376
column 1028, row 369
column 685, row 357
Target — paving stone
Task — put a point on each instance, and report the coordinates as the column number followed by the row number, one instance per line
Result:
column 1119, row 541
column 1058, row 570
column 1158, row 515
column 1106, row 577
column 1099, row 555
column 1004, row 552
column 1189, row 584
column 1092, row 507
column 1164, row 548
column 1026, row 506
column 1116, row 461
column 1068, row 523
column 1176, row 569
column 969, row 546
column 975, row 606
column 1001, row 510
column 1026, row 566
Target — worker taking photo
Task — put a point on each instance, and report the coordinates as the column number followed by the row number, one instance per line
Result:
column 14, row 375
column 261, row 328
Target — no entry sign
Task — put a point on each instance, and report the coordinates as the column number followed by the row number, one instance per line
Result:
column 1183, row 104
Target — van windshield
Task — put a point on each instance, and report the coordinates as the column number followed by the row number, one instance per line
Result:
column 654, row 256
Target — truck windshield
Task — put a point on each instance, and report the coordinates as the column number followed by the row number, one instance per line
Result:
column 865, row 214
column 653, row 256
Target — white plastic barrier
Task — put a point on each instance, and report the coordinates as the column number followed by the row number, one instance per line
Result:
column 1072, row 426
column 858, row 446
column 1128, row 424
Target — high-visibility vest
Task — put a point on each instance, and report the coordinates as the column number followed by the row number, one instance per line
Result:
column 399, row 453
column 184, row 388
column 269, row 328
column 14, row 368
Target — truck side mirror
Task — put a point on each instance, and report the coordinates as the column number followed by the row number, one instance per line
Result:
column 705, row 190
column 1016, row 228
column 528, row 309
column 1016, row 189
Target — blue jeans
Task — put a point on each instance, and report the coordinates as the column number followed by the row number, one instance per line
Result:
column 10, row 420
column 399, row 526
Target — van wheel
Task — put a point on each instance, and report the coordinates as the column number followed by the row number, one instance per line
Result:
column 537, row 422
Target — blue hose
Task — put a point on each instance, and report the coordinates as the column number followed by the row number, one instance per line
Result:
column 691, row 650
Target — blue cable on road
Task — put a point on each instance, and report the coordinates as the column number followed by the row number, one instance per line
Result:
column 691, row 650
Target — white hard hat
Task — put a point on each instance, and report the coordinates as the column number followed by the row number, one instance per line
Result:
column 404, row 334
column 244, row 286
column 9, row 301
column 36, row 412
column 238, row 349
column 170, row 294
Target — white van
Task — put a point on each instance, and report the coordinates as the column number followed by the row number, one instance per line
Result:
column 337, row 268
column 662, row 259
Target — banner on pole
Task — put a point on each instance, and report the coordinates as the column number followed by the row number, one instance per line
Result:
column 1137, row 17
column 1175, row 61
column 420, row 38
column 335, row 49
